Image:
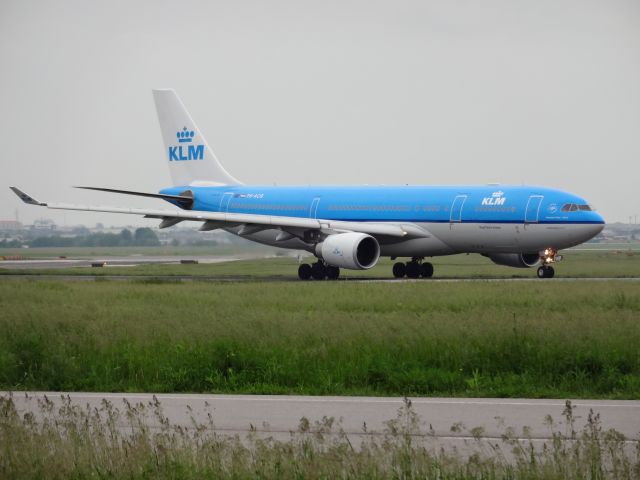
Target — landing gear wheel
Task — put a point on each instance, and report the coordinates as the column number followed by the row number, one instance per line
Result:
column 426, row 270
column 332, row 272
column 318, row 271
column 413, row 269
column 546, row 272
column 399, row 270
column 304, row 271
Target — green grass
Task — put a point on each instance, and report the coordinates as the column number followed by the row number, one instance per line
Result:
column 579, row 264
column 116, row 442
column 505, row 339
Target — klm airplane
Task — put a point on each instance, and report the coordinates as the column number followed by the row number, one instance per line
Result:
column 352, row 227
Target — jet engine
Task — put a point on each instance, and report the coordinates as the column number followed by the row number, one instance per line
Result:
column 518, row 260
column 356, row 251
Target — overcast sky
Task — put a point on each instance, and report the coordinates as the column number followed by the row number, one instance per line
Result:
column 332, row 92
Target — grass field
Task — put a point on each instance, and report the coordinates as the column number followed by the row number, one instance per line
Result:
column 532, row 339
column 579, row 264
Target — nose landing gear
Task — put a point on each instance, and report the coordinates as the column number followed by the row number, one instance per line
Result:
column 546, row 271
column 548, row 256
column 416, row 268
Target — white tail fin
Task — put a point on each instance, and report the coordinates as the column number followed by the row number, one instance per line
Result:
column 191, row 160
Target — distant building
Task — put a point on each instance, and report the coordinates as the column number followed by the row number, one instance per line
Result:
column 44, row 224
column 10, row 226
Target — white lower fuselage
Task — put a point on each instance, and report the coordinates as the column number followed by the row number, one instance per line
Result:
column 452, row 238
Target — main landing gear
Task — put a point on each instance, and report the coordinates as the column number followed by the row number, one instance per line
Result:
column 548, row 256
column 416, row 268
column 318, row 271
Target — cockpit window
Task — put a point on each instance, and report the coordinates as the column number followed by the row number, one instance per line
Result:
column 572, row 207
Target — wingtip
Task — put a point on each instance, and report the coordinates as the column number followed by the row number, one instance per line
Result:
column 26, row 198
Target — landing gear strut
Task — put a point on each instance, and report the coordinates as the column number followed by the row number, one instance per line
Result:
column 318, row 271
column 416, row 268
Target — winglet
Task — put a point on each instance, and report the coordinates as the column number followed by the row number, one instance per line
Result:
column 26, row 198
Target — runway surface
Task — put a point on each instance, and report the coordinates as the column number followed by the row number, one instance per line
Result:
column 125, row 261
column 292, row 278
column 450, row 421
column 32, row 268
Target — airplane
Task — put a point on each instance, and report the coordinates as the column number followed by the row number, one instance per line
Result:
column 351, row 227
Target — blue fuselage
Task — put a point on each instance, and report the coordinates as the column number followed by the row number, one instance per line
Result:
column 416, row 204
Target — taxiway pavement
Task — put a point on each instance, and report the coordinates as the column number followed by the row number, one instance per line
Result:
column 451, row 420
column 294, row 278
column 125, row 261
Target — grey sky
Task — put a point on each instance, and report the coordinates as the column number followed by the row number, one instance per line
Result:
column 334, row 92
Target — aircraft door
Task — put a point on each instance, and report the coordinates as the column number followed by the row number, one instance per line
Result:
column 533, row 209
column 456, row 208
column 224, row 201
column 313, row 210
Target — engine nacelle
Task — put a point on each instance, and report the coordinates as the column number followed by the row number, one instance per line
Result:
column 356, row 251
column 518, row 260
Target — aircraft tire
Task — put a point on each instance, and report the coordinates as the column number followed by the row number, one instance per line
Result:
column 304, row 271
column 332, row 272
column 318, row 271
column 426, row 270
column 399, row 270
column 413, row 269
column 546, row 272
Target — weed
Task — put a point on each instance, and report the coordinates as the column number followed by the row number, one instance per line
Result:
column 64, row 440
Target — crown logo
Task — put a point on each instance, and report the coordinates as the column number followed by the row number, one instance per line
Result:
column 497, row 194
column 184, row 135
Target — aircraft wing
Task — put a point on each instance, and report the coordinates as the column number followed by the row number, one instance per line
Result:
column 212, row 220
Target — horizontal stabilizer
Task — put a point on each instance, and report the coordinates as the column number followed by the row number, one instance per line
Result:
column 183, row 200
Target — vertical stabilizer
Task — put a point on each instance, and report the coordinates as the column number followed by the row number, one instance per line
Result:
column 191, row 160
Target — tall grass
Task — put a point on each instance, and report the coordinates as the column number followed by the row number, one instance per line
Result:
column 473, row 339
column 110, row 442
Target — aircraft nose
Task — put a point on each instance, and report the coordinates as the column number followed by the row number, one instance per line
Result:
column 599, row 225
column 601, row 219
column 598, row 228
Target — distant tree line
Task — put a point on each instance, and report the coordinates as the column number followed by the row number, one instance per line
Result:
column 10, row 243
column 141, row 237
